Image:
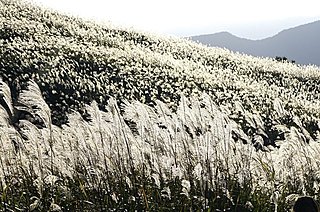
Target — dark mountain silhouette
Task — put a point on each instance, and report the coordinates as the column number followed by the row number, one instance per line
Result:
column 301, row 43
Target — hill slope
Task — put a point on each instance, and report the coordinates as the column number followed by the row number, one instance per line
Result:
column 96, row 118
column 300, row 43
column 75, row 62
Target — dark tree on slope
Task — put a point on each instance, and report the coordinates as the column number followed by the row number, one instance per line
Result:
column 284, row 59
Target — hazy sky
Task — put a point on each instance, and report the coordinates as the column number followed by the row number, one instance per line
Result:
column 246, row 18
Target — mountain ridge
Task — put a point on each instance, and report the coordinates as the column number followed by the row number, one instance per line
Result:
column 297, row 43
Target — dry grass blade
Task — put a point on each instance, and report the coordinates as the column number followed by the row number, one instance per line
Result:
column 31, row 101
column 6, row 109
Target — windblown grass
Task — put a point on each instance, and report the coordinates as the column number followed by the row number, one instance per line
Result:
column 139, row 157
column 94, row 117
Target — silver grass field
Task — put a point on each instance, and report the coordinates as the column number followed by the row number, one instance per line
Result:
column 104, row 151
column 99, row 118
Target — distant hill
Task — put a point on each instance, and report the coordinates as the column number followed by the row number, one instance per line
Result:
column 301, row 43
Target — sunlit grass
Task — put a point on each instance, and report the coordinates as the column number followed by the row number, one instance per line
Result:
column 164, row 161
column 96, row 118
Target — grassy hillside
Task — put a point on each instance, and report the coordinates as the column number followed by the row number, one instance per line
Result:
column 81, row 61
column 96, row 117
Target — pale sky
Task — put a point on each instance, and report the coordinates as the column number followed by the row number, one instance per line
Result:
column 246, row 18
